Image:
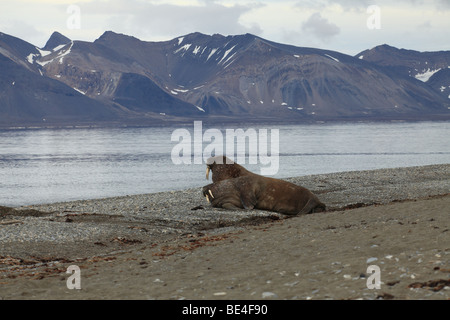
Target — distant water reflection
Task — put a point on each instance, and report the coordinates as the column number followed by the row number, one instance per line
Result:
column 43, row 166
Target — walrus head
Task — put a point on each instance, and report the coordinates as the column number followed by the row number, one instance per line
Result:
column 224, row 168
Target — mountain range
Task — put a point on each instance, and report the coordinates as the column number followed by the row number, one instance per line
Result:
column 121, row 80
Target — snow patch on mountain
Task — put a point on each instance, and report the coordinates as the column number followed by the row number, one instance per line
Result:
column 212, row 53
column 426, row 75
column 185, row 48
column 43, row 53
column 44, row 63
column 226, row 54
column 59, row 47
column 82, row 92
column 196, row 50
column 230, row 62
column 181, row 90
column 60, row 55
column 333, row 58
column 65, row 53
column 30, row 57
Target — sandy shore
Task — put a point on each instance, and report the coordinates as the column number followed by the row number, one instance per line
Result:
column 174, row 246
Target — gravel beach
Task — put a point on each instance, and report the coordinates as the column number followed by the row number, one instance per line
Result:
column 173, row 245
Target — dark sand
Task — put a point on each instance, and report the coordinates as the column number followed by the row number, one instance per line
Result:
column 266, row 256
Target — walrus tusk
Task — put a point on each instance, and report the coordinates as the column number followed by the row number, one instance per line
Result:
column 211, row 194
column 207, row 198
column 207, row 173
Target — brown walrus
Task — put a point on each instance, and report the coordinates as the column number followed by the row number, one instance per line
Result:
column 224, row 168
column 235, row 187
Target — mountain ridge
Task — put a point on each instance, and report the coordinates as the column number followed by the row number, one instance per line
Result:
column 429, row 67
column 55, row 40
column 233, row 77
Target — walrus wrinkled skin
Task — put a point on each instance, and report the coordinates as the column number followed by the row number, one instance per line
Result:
column 224, row 168
column 235, row 187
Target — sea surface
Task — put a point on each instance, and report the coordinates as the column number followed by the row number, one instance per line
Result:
column 53, row 165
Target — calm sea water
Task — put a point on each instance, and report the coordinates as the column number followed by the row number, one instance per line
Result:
column 44, row 166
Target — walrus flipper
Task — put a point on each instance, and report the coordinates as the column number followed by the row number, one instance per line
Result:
column 312, row 206
column 248, row 200
column 230, row 206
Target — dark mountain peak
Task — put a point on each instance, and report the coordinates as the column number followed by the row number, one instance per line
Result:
column 206, row 51
column 56, row 39
column 16, row 44
column 415, row 61
column 17, row 50
column 192, row 37
column 111, row 37
column 106, row 36
column 385, row 47
column 216, row 38
column 387, row 55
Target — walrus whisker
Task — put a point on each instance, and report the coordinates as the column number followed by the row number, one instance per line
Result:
column 211, row 194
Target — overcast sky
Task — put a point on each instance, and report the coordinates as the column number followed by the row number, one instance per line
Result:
column 348, row 26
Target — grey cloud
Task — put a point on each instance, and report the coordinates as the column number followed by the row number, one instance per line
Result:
column 167, row 20
column 361, row 5
column 349, row 5
column 23, row 30
column 320, row 27
column 443, row 4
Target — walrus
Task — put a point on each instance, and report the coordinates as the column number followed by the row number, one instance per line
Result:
column 224, row 168
column 234, row 187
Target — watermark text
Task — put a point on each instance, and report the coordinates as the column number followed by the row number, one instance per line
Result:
column 374, row 20
column 259, row 146
column 74, row 19
column 74, row 281
column 374, row 280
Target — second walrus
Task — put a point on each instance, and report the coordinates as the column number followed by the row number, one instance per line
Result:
column 235, row 187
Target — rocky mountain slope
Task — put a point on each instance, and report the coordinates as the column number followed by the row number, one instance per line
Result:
column 122, row 79
column 29, row 97
column 432, row 68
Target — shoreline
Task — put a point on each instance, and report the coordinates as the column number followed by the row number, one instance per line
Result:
column 295, row 180
column 160, row 231
column 218, row 121
column 160, row 216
